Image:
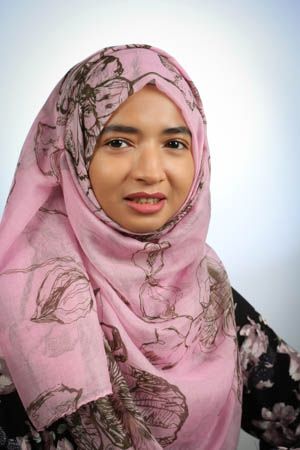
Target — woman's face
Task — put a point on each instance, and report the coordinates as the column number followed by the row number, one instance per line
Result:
column 144, row 152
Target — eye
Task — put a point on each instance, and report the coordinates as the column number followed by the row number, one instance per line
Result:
column 117, row 143
column 176, row 144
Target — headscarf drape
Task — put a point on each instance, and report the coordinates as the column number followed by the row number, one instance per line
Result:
column 135, row 330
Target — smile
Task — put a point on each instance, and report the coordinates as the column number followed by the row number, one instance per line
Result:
column 142, row 200
column 146, row 205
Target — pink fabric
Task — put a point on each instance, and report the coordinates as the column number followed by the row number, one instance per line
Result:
column 163, row 299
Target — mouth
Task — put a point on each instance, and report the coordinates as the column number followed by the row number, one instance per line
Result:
column 144, row 201
column 145, row 205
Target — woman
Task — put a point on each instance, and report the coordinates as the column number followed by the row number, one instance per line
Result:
column 117, row 325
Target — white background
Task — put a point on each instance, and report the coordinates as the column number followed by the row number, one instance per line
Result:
column 243, row 56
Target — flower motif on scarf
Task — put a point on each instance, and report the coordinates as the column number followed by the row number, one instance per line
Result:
column 63, row 282
column 47, row 398
column 205, row 330
column 47, row 150
column 55, row 296
column 179, row 81
column 157, row 302
column 215, row 298
column 135, row 414
column 94, row 89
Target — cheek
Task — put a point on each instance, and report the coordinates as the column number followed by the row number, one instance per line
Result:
column 190, row 170
column 105, row 173
column 184, row 173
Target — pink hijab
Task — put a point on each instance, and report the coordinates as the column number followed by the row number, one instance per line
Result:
column 131, row 335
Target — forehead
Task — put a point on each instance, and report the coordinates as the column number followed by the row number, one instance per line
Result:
column 149, row 105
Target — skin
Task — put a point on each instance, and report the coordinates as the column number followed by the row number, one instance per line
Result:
column 150, row 158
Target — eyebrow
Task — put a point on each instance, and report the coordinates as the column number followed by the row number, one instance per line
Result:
column 178, row 130
column 133, row 130
column 121, row 128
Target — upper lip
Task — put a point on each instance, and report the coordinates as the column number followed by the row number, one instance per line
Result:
column 146, row 195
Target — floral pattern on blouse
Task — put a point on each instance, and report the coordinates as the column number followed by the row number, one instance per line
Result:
column 271, row 397
column 271, row 379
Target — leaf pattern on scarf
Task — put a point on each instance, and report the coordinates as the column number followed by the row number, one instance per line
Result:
column 161, row 307
column 85, row 430
column 217, row 321
column 199, row 101
column 151, row 258
column 94, row 86
column 47, row 150
column 145, row 405
column 164, row 299
column 168, row 65
column 138, row 46
column 215, row 298
column 68, row 401
column 182, row 332
column 113, row 419
column 180, row 82
column 111, row 93
column 55, row 299
column 115, row 343
column 162, row 405
column 63, row 283
column 71, row 148
column 168, row 347
column 77, row 87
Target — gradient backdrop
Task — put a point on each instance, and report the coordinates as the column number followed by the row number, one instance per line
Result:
column 244, row 58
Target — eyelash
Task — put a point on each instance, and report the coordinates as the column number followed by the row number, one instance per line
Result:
column 123, row 141
column 178, row 142
column 116, row 140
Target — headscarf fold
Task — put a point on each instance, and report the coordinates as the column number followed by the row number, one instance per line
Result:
column 134, row 329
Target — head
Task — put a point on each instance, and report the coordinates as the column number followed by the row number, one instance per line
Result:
column 144, row 149
column 138, row 142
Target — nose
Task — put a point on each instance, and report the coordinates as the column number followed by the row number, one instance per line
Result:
column 149, row 165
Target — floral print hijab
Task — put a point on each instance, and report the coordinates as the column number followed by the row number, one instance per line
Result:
column 130, row 336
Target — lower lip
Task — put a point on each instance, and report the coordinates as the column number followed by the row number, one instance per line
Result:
column 146, row 208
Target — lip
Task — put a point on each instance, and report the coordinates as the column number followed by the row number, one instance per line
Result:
column 146, row 195
column 146, row 208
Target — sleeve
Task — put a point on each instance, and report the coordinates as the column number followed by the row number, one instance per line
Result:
column 271, row 381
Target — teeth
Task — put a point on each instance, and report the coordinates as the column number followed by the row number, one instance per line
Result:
column 142, row 201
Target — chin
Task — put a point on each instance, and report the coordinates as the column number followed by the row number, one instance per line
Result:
column 143, row 228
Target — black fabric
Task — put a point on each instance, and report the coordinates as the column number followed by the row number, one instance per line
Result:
column 268, row 387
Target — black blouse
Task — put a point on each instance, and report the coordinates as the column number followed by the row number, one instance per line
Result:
column 271, row 394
